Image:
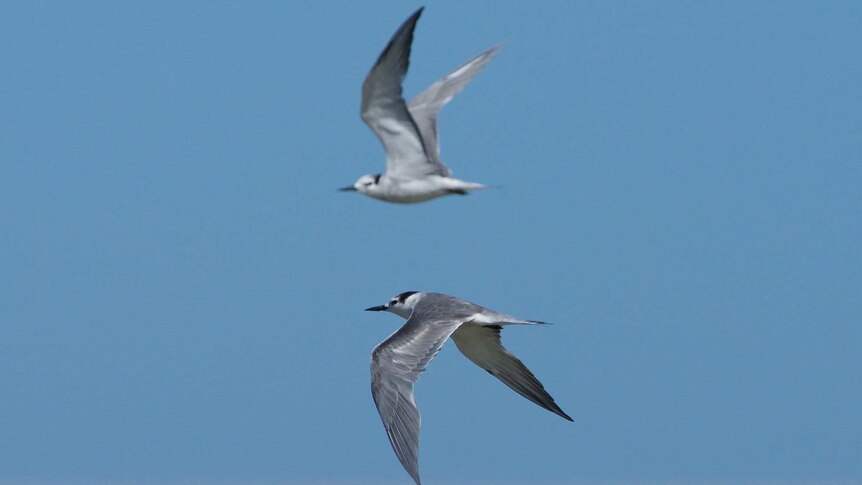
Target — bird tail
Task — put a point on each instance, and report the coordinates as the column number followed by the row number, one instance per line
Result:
column 461, row 187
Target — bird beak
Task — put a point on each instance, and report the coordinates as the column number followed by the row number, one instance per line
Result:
column 378, row 308
column 349, row 188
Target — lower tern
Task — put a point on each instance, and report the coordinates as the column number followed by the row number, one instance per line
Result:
column 399, row 360
column 408, row 132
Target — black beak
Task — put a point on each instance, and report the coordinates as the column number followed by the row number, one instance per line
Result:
column 378, row 308
column 348, row 189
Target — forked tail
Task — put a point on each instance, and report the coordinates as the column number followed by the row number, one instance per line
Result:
column 461, row 187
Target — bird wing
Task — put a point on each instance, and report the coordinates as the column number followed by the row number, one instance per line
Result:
column 385, row 111
column 427, row 105
column 482, row 345
column 396, row 364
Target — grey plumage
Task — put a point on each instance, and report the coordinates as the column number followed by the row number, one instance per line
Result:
column 383, row 107
column 481, row 344
column 425, row 107
column 399, row 360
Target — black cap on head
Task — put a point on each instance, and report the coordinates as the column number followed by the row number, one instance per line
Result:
column 403, row 296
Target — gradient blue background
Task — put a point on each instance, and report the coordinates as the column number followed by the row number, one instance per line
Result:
column 677, row 189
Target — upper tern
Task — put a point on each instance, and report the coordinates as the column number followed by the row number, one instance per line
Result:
column 408, row 132
column 399, row 360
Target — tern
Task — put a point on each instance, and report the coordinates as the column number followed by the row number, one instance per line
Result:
column 408, row 132
column 399, row 360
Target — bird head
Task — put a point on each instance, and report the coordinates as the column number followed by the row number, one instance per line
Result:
column 367, row 184
column 401, row 304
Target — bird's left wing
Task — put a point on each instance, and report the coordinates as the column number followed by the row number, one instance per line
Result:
column 481, row 344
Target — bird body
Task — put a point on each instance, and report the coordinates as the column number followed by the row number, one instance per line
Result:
column 409, row 190
column 398, row 361
column 408, row 132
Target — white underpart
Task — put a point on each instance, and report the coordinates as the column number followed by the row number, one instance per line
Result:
column 409, row 133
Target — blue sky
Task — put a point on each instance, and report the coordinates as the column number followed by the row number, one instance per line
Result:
column 676, row 189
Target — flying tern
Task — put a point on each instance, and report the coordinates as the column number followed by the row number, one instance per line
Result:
column 399, row 360
column 408, row 132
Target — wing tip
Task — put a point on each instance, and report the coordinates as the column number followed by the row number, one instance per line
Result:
column 492, row 51
column 415, row 15
column 405, row 31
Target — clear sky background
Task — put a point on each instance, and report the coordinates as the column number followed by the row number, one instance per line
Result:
column 677, row 189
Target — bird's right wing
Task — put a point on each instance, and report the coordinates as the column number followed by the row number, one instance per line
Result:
column 481, row 344
column 395, row 365
column 384, row 109
column 427, row 105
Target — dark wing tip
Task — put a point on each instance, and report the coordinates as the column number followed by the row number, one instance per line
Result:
column 405, row 31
